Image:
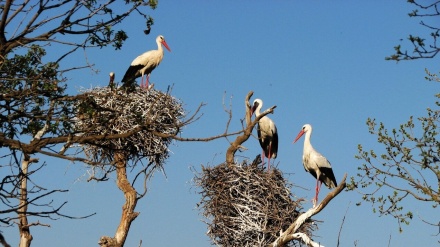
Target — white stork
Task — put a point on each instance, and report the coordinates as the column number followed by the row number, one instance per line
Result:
column 315, row 163
column 111, row 83
column 267, row 133
column 145, row 63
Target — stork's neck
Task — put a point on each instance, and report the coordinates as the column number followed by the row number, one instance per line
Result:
column 257, row 111
column 307, row 144
column 159, row 46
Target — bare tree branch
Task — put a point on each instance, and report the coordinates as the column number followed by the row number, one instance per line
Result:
column 342, row 224
column 420, row 48
column 3, row 241
column 288, row 235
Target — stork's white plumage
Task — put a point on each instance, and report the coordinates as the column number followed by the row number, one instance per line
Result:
column 315, row 163
column 267, row 133
column 145, row 63
column 111, row 83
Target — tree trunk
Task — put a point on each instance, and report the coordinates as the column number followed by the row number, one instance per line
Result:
column 128, row 214
column 23, row 224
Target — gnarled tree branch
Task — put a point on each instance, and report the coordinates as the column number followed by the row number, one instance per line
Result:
column 291, row 232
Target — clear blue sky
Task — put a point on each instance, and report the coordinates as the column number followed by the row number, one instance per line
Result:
column 319, row 62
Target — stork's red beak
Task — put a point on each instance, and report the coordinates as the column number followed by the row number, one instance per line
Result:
column 299, row 135
column 166, row 45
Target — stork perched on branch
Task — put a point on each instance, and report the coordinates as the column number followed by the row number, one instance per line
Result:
column 315, row 163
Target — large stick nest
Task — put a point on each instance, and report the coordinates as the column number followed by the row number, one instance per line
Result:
column 144, row 115
column 245, row 205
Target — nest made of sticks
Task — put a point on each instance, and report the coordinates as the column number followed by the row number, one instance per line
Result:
column 246, row 205
column 140, row 114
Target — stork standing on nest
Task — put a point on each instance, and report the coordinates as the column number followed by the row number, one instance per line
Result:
column 145, row 63
column 111, row 83
column 267, row 133
column 315, row 163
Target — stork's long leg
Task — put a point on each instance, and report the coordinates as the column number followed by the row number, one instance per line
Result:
column 142, row 82
column 318, row 188
column 148, row 81
column 269, row 155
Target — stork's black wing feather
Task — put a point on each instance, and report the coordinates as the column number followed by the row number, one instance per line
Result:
column 330, row 180
column 132, row 73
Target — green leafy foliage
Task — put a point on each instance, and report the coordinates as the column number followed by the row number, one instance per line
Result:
column 29, row 94
column 407, row 167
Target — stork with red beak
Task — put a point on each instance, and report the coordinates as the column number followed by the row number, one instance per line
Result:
column 144, row 64
column 315, row 163
column 267, row 133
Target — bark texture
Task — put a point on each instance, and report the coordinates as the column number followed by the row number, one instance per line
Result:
column 128, row 213
column 23, row 225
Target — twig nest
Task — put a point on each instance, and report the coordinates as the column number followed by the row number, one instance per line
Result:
column 145, row 118
column 246, row 205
